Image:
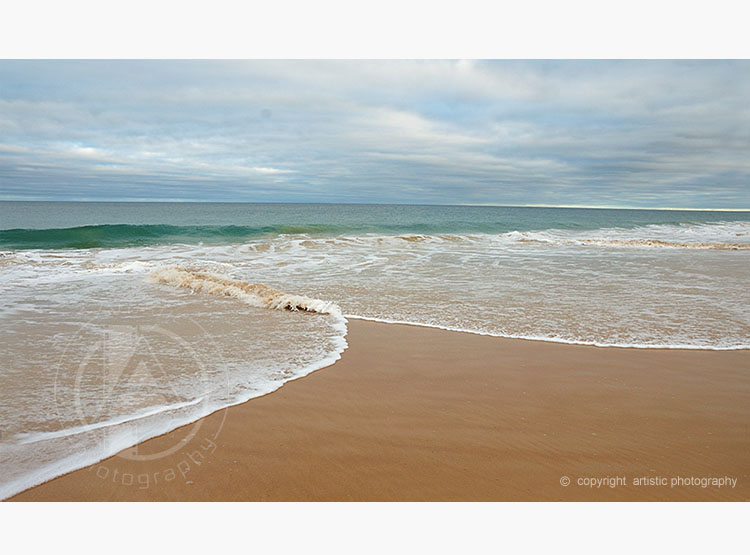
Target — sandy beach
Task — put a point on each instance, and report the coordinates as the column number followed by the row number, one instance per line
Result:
column 418, row 414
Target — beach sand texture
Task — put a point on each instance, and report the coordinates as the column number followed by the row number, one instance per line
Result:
column 418, row 414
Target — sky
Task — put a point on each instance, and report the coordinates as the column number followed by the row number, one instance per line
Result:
column 670, row 134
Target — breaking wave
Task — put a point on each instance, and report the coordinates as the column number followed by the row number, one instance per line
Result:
column 726, row 235
column 254, row 294
column 129, row 235
column 638, row 243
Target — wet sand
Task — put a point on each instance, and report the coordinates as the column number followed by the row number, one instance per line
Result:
column 414, row 414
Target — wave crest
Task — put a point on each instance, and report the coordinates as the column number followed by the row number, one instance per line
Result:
column 665, row 244
column 639, row 243
column 254, row 294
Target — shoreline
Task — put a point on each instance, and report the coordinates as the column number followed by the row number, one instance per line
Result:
column 545, row 339
column 420, row 413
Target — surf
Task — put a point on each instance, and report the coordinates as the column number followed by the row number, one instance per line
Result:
column 134, row 235
column 254, row 294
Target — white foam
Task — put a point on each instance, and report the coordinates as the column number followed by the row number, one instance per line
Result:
column 550, row 339
column 718, row 236
column 254, row 294
column 35, row 437
column 152, row 423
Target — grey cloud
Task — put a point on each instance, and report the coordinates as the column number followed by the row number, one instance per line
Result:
column 646, row 133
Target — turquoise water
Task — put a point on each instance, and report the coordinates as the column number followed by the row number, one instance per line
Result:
column 56, row 225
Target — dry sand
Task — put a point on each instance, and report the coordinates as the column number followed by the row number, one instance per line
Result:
column 412, row 413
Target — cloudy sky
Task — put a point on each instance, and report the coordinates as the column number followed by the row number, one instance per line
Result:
column 593, row 133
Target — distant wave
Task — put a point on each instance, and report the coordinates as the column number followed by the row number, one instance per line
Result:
column 710, row 235
column 666, row 244
column 135, row 235
column 640, row 243
column 254, row 294
column 126, row 235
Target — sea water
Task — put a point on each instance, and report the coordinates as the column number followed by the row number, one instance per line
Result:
column 121, row 321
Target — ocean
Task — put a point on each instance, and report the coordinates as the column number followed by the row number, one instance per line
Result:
column 122, row 321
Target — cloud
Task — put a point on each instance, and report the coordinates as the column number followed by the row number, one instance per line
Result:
column 272, row 170
column 649, row 133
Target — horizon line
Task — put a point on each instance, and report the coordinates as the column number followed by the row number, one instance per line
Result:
column 572, row 206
